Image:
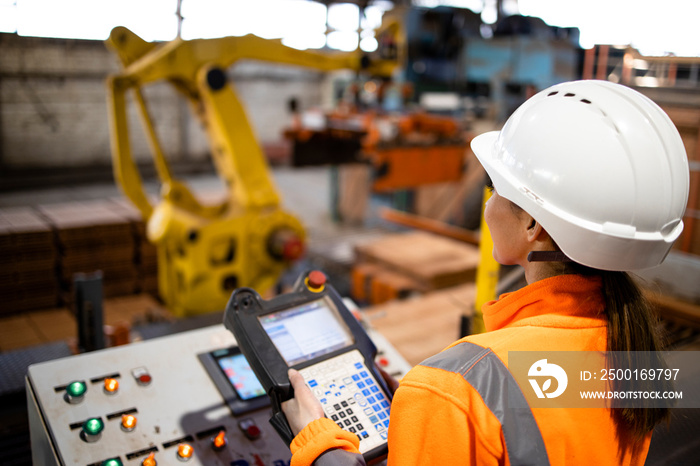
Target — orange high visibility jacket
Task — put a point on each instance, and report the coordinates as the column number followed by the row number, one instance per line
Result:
column 452, row 408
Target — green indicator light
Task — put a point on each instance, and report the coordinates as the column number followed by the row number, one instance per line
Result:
column 76, row 389
column 112, row 462
column 93, row 426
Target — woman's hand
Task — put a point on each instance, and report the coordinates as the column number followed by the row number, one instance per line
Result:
column 391, row 382
column 304, row 407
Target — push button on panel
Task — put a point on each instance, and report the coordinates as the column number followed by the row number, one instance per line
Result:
column 111, row 386
column 75, row 391
column 150, row 460
column 219, row 442
column 92, row 429
column 316, row 281
column 184, row 451
column 112, row 462
column 142, row 376
column 128, row 423
column 250, row 429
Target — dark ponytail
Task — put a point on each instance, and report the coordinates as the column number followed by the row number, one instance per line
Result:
column 635, row 343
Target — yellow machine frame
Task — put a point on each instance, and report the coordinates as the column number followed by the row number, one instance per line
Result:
column 204, row 252
column 486, row 272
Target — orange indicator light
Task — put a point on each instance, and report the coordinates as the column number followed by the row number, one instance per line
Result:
column 128, row 422
column 111, row 385
column 185, row 451
column 219, row 441
column 150, row 460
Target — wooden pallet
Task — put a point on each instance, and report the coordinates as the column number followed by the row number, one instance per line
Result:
column 421, row 326
column 430, row 260
column 374, row 284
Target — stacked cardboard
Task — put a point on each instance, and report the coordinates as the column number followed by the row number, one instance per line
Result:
column 397, row 265
column 146, row 255
column 29, row 256
column 92, row 236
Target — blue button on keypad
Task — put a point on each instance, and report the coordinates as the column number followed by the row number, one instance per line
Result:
column 345, row 388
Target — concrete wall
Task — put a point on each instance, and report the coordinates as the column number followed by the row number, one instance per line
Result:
column 53, row 105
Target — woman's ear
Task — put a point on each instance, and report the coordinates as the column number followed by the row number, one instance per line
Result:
column 535, row 232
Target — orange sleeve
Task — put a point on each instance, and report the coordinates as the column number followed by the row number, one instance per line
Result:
column 433, row 426
column 318, row 437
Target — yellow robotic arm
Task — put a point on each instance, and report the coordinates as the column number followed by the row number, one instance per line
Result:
column 204, row 252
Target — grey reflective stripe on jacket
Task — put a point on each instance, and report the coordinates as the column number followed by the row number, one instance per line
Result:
column 487, row 374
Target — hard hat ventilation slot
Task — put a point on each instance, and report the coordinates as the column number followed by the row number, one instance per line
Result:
column 569, row 94
column 552, row 93
column 586, row 101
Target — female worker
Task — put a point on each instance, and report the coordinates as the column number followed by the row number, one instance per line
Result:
column 590, row 180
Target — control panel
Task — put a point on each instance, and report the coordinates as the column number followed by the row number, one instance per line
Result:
column 186, row 398
column 312, row 330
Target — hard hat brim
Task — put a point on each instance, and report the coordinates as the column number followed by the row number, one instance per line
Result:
column 483, row 145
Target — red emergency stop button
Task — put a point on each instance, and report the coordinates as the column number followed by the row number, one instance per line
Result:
column 316, row 281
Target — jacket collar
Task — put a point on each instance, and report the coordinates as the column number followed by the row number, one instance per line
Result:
column 568, row 301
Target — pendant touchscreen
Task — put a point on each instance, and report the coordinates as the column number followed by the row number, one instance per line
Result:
column 306, row 332
column 312, row 331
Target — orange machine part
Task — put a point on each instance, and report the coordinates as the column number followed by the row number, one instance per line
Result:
column 410, row 167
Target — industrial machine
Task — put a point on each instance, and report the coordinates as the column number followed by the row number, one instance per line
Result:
column 188, row 397
column 205, row 252
column 405, row 150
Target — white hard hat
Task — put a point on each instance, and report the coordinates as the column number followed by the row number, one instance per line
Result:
column 600, row 166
